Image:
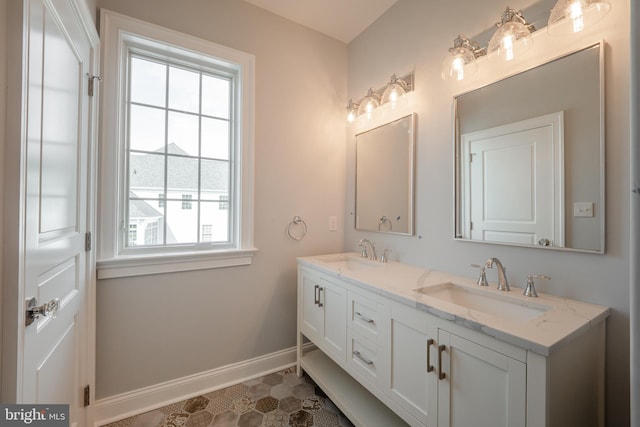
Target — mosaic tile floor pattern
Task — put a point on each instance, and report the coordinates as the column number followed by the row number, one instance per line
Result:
column 280, row 399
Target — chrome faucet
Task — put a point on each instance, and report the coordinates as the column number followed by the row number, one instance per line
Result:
column 368, row 251
column 503, row 283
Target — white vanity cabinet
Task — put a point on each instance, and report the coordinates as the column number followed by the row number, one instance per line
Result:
column 387, row 357
column 323, row 309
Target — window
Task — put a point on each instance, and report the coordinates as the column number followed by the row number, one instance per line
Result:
column 186, row 202
column 178, row 151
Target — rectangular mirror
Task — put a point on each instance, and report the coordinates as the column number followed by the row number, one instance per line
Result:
column 384, row 177
column 530, row 157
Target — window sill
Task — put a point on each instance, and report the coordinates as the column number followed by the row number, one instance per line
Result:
column 138, row 265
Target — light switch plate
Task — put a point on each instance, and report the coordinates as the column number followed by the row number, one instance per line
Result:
column 583, row 209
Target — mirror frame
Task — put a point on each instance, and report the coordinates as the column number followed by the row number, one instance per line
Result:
column 411, row 174
column 458, row 226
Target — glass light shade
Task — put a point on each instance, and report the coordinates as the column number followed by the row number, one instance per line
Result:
column 459, row 63
column 369, row 103
column 394, row 92
column 510, row 40
column 352, row 111
column 572, row 16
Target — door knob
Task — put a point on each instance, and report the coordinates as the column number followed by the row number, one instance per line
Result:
column 33, row 311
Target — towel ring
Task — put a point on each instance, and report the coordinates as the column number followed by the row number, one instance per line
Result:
column 295, row 223
column 383, row 220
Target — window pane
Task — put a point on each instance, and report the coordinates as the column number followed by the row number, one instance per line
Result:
column 215, row 97
column 146, row 128
column 214, row 179
column 182, row 177
column 183, row 134
column 210, row 214
column 146, row 174
column 148, row 82
column 215, row 138
column 182, row 224
column 146, row 223
column 184, row 90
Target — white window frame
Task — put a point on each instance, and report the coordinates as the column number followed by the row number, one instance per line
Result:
column 120, row 34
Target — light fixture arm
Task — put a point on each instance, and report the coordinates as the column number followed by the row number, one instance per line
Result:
column 512, row 15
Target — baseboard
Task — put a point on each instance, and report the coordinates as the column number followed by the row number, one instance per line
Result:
column 149, row 398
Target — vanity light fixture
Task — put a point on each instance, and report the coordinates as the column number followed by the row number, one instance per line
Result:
column 513, row 35
column 352, row 111
column 395, row 91
column 369, row 103
column 571, row 16
column 461, row 58
column 393, row 94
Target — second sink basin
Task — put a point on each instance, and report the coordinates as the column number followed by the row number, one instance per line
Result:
column 480, row 300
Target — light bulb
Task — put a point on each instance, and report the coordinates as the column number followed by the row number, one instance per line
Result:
column 576, row 15
column 507, row 45
column 457, row 66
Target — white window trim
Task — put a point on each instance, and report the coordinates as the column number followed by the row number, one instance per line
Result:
column 116, row 31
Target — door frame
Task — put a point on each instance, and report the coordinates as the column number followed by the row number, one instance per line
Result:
column 13, row 256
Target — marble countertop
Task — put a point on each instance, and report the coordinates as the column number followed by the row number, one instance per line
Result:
column 562, row 319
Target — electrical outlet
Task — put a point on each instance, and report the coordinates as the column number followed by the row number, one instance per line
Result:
column 333, row 223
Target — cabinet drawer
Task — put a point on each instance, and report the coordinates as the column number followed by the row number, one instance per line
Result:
column 365, row 360
column 365, row 317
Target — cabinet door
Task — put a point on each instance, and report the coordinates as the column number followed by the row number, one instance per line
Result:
column 478, row 386
column 312, row 312
column 412, row 384
column 333, row 299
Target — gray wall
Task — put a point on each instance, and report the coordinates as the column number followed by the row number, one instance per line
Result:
column 414, row 36
column 152, row 329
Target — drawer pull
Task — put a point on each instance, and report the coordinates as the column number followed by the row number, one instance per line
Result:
column 316, row 294
column 364, row 318
column 441, row 375
column 320, row 289
column 430, row 367
column 357, row 354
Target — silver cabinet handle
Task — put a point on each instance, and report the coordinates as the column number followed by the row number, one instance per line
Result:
column 364, row 318
column 441, row 375
column 33, row 311
column 316, row 294
column 357, row 354
column 430, row 367
column 320, row 289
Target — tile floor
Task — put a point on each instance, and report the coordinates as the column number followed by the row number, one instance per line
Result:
column 280, row 399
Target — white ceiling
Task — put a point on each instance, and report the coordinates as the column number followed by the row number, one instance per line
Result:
column 340, row 19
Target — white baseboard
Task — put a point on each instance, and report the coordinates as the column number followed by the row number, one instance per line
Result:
column 139, row 401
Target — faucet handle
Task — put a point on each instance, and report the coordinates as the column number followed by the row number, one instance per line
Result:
column 530, row 290
column 385, row 256
column 482, row 279
column 363, row 253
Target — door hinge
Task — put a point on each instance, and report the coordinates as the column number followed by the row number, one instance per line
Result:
column 92, row 79
column 87, row 395
column 87, row 241
column 471, row 157
column 470, row 225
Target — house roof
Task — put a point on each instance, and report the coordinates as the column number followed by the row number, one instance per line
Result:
column 141, row 209
column 146, row 170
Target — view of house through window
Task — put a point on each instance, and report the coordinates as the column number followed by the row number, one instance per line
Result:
column 178, row 154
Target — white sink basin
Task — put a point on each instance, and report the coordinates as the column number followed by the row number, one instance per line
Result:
column 344, row 262
column 494, row 304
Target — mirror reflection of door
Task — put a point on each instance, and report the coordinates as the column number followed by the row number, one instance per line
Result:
column 513, row 186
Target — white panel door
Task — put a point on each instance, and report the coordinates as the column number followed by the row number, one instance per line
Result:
column 514, row 187
column 54, row 353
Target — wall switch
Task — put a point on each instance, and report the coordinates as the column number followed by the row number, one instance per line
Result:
column 583, row 209
column 333, row 223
